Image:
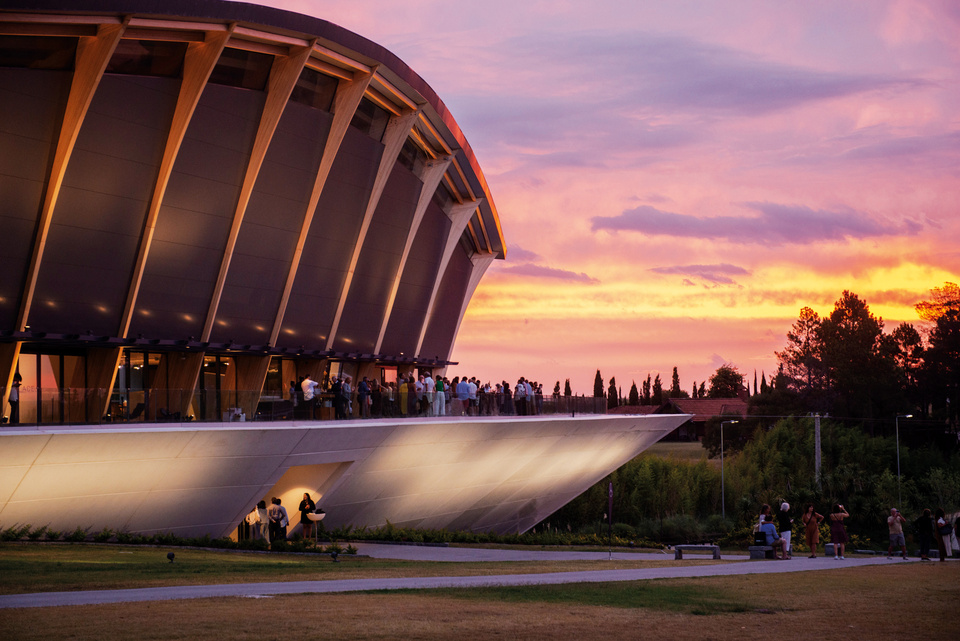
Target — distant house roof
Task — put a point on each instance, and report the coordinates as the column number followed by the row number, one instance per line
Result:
column 705, row 408
column 636, row 409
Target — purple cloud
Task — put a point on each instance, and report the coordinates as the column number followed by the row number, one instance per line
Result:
column 715, row 274
column 776, row 223
column 517, row 254
column 667, row 97
column 539, row 271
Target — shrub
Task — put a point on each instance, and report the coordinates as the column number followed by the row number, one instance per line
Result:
column 34, row 535
column 77, row 536
column 14, row 533
column 53, row 535
column 103, row 535
column 130, row 538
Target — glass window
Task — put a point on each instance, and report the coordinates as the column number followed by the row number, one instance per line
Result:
column 314, row 89
column 412, row 157
column 371, row 119
column 29, row 388
column 74, row 388
column 49, row 389
column 442, row 196
column 245, row 69
column 148, row 58
column 31, row 52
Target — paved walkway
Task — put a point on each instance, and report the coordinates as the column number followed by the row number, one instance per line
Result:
column 681, row 569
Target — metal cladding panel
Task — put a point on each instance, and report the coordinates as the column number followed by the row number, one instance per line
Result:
column 446, row 310
column 378, row 263
column 97, row 224
column 271, row 226
column 31, row 106
column 196, row 215
column 416, row 284
column 330, row 242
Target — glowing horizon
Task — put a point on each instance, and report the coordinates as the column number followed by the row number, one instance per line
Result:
column 676, row 181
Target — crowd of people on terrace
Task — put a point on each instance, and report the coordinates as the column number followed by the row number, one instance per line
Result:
column 417, row 396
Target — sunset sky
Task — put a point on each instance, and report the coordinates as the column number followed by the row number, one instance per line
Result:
column 676, row 180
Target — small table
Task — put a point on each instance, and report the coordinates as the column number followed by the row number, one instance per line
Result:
column 316, row 518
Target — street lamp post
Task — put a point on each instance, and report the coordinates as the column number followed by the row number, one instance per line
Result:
column 899, row 496
column 723, row 499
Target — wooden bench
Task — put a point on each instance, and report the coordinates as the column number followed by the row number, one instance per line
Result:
column 679, row 550
column 761, row 552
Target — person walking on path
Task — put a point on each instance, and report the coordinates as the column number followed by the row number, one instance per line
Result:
column 895, row 524
column 838, row 533
column 811, row 524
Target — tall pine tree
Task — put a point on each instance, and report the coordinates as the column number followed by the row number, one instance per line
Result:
column 613, row 399
column 598, row 385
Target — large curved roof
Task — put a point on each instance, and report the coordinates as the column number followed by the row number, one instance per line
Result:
column 230, row 175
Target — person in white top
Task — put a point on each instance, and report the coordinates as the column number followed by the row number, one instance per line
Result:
column 472, row 397
column 309, row 387
column 428, row 390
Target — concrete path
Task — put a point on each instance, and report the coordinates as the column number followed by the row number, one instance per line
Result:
column 680, row 569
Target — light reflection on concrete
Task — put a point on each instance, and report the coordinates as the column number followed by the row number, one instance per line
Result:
column 501, row 475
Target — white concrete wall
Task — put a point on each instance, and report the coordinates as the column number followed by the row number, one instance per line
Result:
column 502, row 475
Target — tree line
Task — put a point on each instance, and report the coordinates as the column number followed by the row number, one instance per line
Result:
column 843, row 367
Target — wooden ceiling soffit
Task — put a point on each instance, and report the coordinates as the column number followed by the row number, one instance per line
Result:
column 93, row 55
column 463, row 178
column 283, row 78
column 329, row 56
column 423, row 144
column 378, row 98
column 459, row 216
column 345, row 103
column 477, row 247
column 13, row 28
column 53, row 19
column 390, row 91
column 432, row 132
column 256, row 35
column 432, row 174
column 163, row 35
column 398, row 129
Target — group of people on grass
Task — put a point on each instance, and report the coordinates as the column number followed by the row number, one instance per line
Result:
column 777, row 533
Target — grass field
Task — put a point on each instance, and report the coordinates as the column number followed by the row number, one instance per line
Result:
column 676, row 450
column 901, row 601
column 44, row 567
